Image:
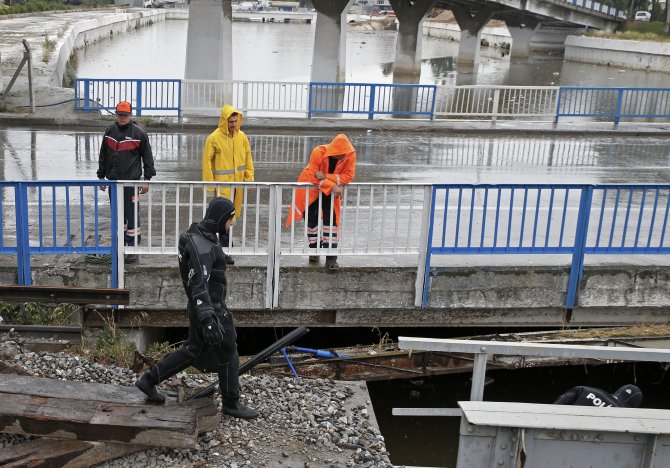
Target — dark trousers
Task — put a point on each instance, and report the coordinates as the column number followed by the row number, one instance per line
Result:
column 329, row 229
column 132, row 225
column 222, row 359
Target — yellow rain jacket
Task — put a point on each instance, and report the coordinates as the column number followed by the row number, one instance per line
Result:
column 227, row 158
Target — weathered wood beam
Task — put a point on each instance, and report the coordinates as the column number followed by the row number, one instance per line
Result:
column 63, row 453
column 63, row 418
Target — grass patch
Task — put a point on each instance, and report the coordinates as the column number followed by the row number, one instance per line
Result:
column 33, row 6
column 48, row 46
column 32, row 313
column 70, row 72
column 636, row 31
column 113, row 345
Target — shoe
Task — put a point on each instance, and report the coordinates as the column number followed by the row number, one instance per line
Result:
column 229, row 260
column 145, row 384
column 131, row 258
column 238, row 410
column 331, row 263
column 314, row 259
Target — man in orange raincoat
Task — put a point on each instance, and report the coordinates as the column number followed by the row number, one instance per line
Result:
column 330, row 167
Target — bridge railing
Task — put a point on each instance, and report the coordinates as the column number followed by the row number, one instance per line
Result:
column 613, row 103
column 599, row 7
column 371, row 99
column 544, row 103
column 548, row 219
column 145, row 95
column 493, row 102
column 57, row 217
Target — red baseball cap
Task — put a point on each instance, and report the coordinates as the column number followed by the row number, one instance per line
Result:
column 124, row 108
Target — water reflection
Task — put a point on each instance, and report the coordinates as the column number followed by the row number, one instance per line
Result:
column 382, row 157
column 285, row 53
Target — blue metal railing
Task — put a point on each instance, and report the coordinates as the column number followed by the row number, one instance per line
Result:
column 371, row 99
column 375, row 99
column 613, row 103
column 143, row 94
column 548, row 219
column 57, row 217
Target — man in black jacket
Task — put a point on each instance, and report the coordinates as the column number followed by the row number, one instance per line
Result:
column 124, row 153
column 627, row 396
column 212, row 340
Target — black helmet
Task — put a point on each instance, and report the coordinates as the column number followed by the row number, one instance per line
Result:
column 219, row 211
column 629, row 396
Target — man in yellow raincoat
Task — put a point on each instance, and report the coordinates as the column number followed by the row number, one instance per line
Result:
column 330, row 167
column 226, row 157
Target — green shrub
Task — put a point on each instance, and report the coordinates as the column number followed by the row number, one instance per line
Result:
column 113, row 346
column 31, row 313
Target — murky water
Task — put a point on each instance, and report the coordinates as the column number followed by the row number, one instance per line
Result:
column 278, row 51
column 382, row 157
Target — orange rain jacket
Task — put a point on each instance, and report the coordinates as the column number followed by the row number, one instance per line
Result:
column 227, row 158
column 345, row 171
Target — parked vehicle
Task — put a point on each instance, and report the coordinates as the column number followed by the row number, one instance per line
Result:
column 642, row 16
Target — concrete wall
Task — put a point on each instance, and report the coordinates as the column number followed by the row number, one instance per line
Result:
column 85, row 32
column 384, row 296
column 639, row 55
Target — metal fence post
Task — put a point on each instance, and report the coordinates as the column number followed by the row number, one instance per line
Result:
column 22, row 236
column 179, row 98
column 429, row 243
column 87, row 92
column 309, row 102
column 432, row 106
column 114, row 222
column 617, row 113
column 274, row 248
column 138, row 94
column 496, row 100
column 558, row 105
column 120, row 234
column 371, row 108
column 577, row 267
column 426, row 220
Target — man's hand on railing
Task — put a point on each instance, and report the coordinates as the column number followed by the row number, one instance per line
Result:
column 103, row 187
column 337, row 190
column 319, row 175
column 144, row 189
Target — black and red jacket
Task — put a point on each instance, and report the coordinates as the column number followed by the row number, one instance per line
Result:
column 123, row 152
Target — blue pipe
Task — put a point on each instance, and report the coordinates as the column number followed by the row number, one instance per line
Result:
column 319, row 352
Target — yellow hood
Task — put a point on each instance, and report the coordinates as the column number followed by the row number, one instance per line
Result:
column 226, row 112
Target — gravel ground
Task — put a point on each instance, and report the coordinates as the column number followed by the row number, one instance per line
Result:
column 302, row 423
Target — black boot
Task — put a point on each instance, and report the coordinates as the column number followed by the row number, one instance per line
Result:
column 238, row 410
column 331, row 262
column 148, row 387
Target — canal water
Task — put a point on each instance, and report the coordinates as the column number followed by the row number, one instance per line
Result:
column 283, row 52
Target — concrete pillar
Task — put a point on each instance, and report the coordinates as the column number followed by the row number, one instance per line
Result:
column 521, row 29
column 410, row 33
column 330, row 40
column 209, row 41
column 471, row 28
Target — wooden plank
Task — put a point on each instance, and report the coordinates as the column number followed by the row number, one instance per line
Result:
column 65, row 294
column 63, row 453
column 165, row 426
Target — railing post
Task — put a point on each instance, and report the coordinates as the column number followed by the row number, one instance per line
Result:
column 371, row 106
column 120, row 234
column 617, row 113
column 577, row 267
column 423, row 247
column 22, row 235
column 87, row 89
column 274, row 248
column 138, row 94
column 179, row 98
column 432, row 106
column 558, row 105
column 114, row 222
column 309, row 102
column 245, row 97
column 428, row 245
column 496, row 100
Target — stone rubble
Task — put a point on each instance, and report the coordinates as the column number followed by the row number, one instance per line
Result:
column 305, row 423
